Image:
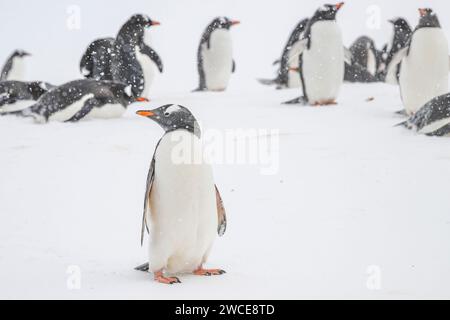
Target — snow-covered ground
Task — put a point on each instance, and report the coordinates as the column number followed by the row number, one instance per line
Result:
column 358, row 208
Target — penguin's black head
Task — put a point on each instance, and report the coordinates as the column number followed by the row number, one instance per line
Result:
column 142, row 21
column 21, row 53
column 428, row 19
column 172, row 117
column 223, row 23
column 400, row 24
column 327, row 12
column 38, row 88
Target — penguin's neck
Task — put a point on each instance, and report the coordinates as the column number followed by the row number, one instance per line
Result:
column 194, row 129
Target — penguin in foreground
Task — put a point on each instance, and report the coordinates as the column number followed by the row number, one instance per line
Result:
column 182, row 204
column 400, row 39
column 366, row 60
column 18, row 95
column 81, row 99
column 322, row 57
column 127, row 58
column 215, row 61
column 433, row 119
column 424, row 64
column 14, row 68
column 287, row 77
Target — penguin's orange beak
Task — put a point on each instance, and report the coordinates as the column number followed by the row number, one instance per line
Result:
column 155, row 23
column 339, row 5
column 235, row 22
column 145, row 113
column 142, row 99
column 422, row 12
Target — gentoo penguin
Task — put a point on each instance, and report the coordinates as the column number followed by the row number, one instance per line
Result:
column 18, row 95
column 81, row 99
column 365, row 61
column 287, row 77
column 14, row 68
column 127, row 58
column 424, row 63
column 400, row 39
column 433, row 119
column 215, row 55
column 182, row 205
column 322, row 56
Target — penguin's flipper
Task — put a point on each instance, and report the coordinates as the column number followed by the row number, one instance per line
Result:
column 222, row 225
column 233, row 68
column 300, row 100
column 201, row 72
column 6, row 70
column 145, row 267
column 302, row 45
column 148, row 190
column 87, row 107
column 348, row 56
column 153, row 56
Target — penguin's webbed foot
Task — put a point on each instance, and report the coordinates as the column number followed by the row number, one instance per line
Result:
column 208, row 272
column 159, row 277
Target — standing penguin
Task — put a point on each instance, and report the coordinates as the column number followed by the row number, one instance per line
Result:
column 18, row 95
column 81, row 99
column 127, row 58
column 322, row 56
column 287, row 76
column 14, row 68
column 400, row 39
column 424, row 63
column 215, row 55
column 182, row 203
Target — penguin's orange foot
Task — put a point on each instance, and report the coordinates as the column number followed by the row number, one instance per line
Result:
column 166, row 280
column 208, row 272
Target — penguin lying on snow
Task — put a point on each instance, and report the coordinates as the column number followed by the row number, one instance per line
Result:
column 433, row 119
column 126, row 58
column 424, row 63
column 400, row 39
column 322, row 56
column 14, row 68
column 17, row 95
column 287, row 77
column 81, row 99
column 215, row 55
column 182, row 203
column 366, row 60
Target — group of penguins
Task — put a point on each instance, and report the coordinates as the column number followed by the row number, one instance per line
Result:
column 183, row 208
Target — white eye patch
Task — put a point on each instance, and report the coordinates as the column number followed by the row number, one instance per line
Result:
column 323, row 8
column 173, row 108
column 128, row 91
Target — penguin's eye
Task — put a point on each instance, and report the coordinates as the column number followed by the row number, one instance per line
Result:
column 167, row 114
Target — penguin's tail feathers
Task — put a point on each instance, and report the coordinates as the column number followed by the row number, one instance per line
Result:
column 268, row 82
column 276, row 62
column 145, row 267
column 403, row 124
column 19, row 113
column 302, row 100
column 199, row 89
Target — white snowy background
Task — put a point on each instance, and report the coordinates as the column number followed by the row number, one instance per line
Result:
column 357, row 209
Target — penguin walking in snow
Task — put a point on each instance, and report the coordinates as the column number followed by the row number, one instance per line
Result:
column 14, row 68
column 215, row 61
column 127, row 58
column 424, row 64
column 182, row 206
column 81, row 99
column 433, row 119
column 322, row 57
column 287, row 75
column 400, row 39
column 366, row 60
column 18, row 95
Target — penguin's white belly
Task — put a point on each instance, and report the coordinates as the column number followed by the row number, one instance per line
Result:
column 108, row 111
column 69, row 111
column 17, row 71
column 323, row 63
column 424, row 72
column 371, row 62
column 294, row 80
column 183, row 207
column 218, row 60
column 148, row 70
column 16, row 106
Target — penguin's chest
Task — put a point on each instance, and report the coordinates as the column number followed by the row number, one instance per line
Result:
column 218, row 60
column 184, row 213
column 424, row 72
column 323, row 62
column 17, row 71
column 148, row 71
column 293, row 76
